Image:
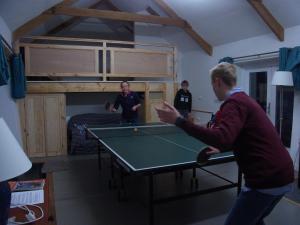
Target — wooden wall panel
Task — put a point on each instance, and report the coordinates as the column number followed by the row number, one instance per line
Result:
column 35, row 125
column 55, row 124
column 140, row 64
column 153, row 114
column 45, row 61
column 63, row 87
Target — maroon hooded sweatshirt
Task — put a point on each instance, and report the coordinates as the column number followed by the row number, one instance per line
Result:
column 245, row 129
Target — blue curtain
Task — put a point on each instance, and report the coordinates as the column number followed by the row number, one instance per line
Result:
column 227, row 59
column 18, row 80
column 289, row 60
column 4, row 68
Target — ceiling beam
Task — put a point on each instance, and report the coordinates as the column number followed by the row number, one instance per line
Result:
column 128, row 25
column 164, row 6
column 115, row 15
column 37, row 21
column 151, row 11
column 268, row 18
column 69, row 22
column 188, row 29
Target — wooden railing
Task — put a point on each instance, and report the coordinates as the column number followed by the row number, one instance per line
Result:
column 76, row 57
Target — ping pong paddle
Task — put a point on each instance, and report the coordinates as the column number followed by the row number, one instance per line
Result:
column 203, row 157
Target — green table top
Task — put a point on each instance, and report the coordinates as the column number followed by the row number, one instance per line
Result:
column 151, row 146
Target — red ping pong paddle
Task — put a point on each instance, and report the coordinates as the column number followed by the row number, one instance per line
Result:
column 203, row 157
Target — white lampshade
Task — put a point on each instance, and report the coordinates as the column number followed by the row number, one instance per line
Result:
column 283, row 78
column 13, row 160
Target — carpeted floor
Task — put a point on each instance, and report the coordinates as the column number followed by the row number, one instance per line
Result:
column 82, row 197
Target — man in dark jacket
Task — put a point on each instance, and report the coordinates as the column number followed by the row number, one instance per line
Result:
column 243, row 127
column 183, row 100
column 129, row 102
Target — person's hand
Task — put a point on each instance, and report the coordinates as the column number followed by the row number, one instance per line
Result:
column 113, row 109
column 134, row 108
column 167, row 113
column 190, row 118
column 212, row 150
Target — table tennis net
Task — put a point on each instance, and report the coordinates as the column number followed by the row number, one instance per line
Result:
column 134, row 131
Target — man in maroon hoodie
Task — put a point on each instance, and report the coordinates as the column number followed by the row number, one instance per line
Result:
column 243, row 127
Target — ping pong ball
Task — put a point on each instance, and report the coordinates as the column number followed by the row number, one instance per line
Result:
column 135, row 129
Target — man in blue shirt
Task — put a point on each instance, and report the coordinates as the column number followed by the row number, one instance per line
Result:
column 129, row 102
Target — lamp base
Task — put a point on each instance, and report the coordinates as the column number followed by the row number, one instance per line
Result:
column 5, row 197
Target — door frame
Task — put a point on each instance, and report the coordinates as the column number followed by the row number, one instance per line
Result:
column 271, row 90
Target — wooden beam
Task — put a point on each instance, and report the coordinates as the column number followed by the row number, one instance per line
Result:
column 63, row 25
column 170, row 12
column 40, row 19
column 203, row 44
column 129, row 26
column 71, row 21
column 188, row 29
column 114, row 15
column 112, row 5
column 268, row 18
column 152, row 11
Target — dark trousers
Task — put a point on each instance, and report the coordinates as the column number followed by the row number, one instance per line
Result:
column 5, row 196
column 129, row 121
column 251, row 208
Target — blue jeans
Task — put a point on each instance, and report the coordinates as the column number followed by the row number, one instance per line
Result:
column 251, row 207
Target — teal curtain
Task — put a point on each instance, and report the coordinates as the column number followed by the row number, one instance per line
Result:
column 4, row 68
column 289, row 60
column 18, row 80
column 227, row 59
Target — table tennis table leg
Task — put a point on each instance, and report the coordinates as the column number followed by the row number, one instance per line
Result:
column 240, row 176
column 112, row 181
column 299, row 171
column 151, row 199
column 99, row 157
column 121, row 188
column 194, row 180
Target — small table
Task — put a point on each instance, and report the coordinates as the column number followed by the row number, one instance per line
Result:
column 48, row 206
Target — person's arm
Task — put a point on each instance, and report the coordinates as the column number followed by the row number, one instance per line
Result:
column 176, row 99
column 117, row 104
column 224, row 135
column 137, row 103
column 190, row 103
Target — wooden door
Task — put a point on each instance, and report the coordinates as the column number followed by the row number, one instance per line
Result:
column 34, row 125
column 55, row 124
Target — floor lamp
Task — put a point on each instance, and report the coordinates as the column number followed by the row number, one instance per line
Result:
column 282, row 78
column 13, row 162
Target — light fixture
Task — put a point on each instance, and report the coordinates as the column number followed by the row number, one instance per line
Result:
column 282, row 78
column 13, row 162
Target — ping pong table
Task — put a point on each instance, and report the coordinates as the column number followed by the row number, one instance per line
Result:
column 153, row 149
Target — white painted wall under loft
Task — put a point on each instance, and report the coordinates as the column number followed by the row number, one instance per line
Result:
column 81, row 103
column 8, row 107
column 196, row 65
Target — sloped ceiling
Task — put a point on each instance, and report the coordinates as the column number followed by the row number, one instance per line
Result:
column 218, row 21
column 224, row 21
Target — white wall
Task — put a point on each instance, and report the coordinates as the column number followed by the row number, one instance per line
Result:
column 196, row 65
column 8, row 107
column 81, row 103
